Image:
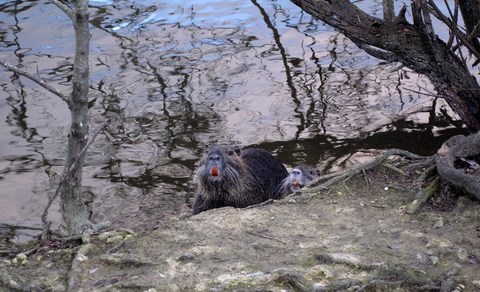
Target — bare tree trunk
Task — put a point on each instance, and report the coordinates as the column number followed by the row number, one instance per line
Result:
column 75, row 213
column 414, row 45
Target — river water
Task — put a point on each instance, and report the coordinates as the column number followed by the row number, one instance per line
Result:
column 174, row 76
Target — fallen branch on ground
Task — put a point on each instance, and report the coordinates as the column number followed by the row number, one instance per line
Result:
column 456, row 163
column 316, row 184
column 422, row 197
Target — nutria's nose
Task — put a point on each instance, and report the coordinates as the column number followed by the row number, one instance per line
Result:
column 296, row 171
column 214, row 157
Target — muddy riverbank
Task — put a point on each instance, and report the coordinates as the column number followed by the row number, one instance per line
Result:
column 353, row 236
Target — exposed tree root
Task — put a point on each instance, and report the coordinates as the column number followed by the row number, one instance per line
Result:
column 15, row 284
column 266, row 237
column 76, row 268
column 422, row 196
column 329, row 259
column 126, row 259
column 341, row 285
column 394, row 168
column 11, row 282
column 430, row 171
column 456, row 165
column 294, row 280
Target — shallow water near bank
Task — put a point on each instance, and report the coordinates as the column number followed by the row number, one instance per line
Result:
column 174, row 76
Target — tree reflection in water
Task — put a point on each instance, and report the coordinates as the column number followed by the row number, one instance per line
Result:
column 174, row 76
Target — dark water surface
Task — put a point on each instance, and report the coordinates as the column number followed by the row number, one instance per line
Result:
column 173, row 76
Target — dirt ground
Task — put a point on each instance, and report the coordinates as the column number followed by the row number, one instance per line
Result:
column 354, row 236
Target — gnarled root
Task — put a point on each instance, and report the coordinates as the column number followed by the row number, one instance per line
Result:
column 456, row 163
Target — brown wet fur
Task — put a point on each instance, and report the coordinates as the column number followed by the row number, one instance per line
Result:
column 300, row 176
column 228, row 176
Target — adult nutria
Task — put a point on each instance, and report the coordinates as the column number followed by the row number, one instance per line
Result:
column 228, row 176
column 299, row 177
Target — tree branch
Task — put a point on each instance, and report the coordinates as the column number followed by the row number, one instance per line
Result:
column 454, row 17
column 461, row 36
column 36, row 79
column 474, row 32
column 388, row 12
column 377, row 53
column 68, row 11
column 414, row 46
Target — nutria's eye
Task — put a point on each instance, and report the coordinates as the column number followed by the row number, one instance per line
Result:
column 230, row 152
column 310, row 172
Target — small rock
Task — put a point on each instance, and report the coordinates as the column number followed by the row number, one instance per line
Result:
column 114, row 238
column 435, row 242
column 126, row 259
column 117, row 235
column 445, row 243
column 186, row 257
column 439, row 223
column 462, row 254
column 421, row 257
column 326, row 272
column 433, row 260
column 319, row 287
column 20, row 259
column 81, row 258
column 394, row 246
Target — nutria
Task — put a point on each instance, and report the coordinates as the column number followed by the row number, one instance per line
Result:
column 228, row 176
column 299, row 177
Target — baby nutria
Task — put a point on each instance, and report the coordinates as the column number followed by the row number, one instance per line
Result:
column 299, row 177
column 228, row 176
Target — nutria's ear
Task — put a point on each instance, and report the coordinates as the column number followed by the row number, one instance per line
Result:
column 237, row 150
